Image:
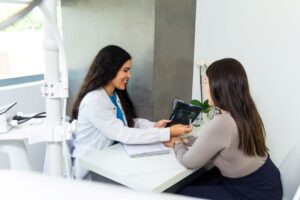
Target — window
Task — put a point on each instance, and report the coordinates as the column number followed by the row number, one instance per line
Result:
column 21, row 49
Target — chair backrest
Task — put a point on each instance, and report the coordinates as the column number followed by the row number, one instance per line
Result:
column 4, row 161
column 297, row 195
column 290, row 175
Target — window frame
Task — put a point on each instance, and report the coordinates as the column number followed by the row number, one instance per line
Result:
column 21, row 79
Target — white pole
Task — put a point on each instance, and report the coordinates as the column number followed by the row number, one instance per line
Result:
column 53, row 105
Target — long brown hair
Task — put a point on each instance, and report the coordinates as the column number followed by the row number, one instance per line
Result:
column 229, row 90
column 104, row 68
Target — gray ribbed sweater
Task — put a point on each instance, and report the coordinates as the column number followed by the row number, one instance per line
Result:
column 218, row 141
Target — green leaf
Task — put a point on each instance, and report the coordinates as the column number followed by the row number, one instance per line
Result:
column 206, row 110
column 205, row 105
column 196, row 102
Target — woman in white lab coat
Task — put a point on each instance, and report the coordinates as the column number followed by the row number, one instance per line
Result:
column 105, row 113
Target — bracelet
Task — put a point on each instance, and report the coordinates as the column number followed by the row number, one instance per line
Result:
column 176, row 142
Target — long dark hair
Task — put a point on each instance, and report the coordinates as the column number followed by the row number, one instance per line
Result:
column 229, row 90
column 104, row 68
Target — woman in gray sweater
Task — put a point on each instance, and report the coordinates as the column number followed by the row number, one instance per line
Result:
column 234, row 141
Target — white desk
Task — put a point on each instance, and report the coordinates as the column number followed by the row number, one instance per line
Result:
column 23, row 131
column 12, row 143
column 151, row 173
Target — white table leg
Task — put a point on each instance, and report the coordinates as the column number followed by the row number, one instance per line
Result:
column 17, row 153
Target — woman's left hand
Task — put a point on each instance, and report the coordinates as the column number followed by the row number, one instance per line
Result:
column 172, row 142
column 162, row 123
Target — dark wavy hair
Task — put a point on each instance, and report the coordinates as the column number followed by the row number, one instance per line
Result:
column 104, row 68
column 229, row 90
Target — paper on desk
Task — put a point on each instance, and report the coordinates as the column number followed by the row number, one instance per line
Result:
column 139, row 150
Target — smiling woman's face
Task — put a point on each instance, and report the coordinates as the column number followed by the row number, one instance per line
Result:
column 123, row 75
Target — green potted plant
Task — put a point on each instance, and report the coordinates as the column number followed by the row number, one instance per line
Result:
column 206, row 108
column 204, row 104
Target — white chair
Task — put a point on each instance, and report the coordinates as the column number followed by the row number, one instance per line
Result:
column 297, row 195
column 290, row 175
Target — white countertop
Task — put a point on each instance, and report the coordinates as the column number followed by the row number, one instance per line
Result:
column 22, row 132
column 150, row 173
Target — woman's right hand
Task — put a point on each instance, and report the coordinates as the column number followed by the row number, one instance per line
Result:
column 179, row 129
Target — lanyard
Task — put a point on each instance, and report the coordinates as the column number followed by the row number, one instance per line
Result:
column 120, row 115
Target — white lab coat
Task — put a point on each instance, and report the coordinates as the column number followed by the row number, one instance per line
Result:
column 98, row 127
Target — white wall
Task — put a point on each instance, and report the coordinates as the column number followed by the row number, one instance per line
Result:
column 29, row 100
column 265, row 37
